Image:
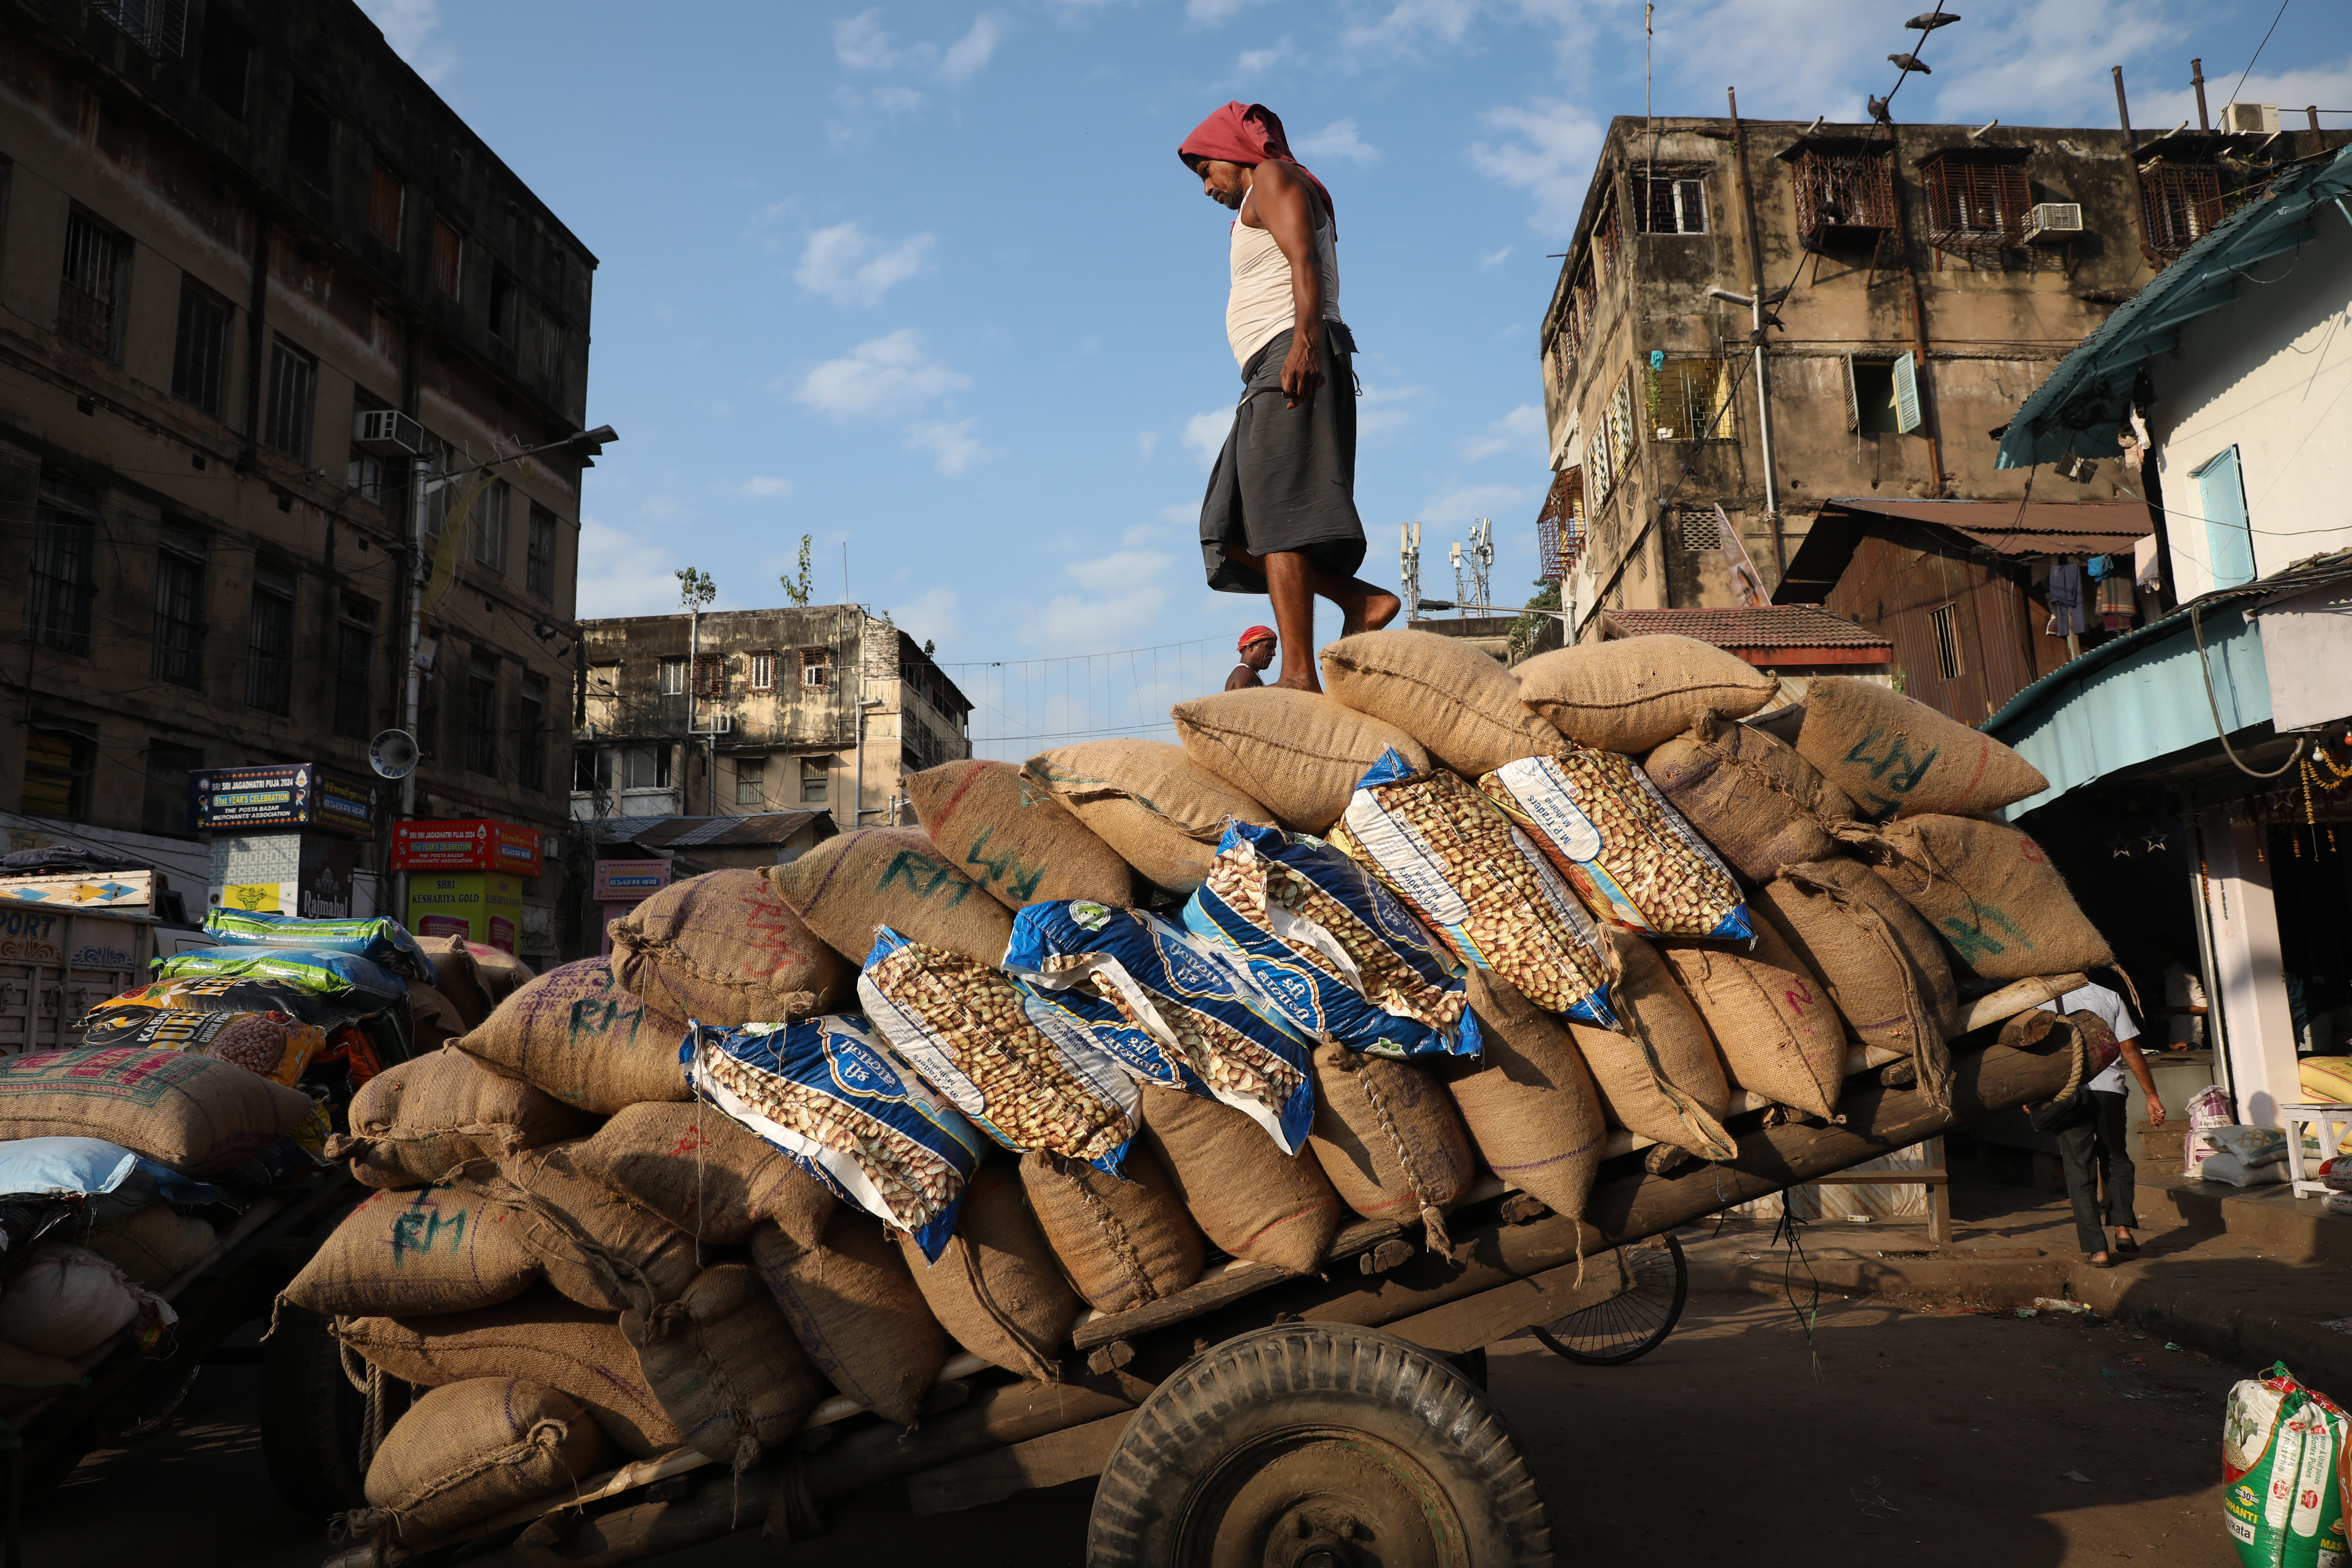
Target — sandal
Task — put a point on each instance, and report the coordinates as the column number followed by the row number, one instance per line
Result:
column 2126, row 1244
column 2097, row 1261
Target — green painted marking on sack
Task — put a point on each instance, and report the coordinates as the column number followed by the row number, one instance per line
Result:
column 1974, row 941
column 925, row 876
column 419, row 1230
column 1021, row 882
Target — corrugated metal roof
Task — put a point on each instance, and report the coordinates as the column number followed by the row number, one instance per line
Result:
column 762, row 829
column 2032, row 528
column 2087, row 397
column 1777, row 626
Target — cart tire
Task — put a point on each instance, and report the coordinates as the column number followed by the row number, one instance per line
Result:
column 1317, row 1446
column 1628, row 1327
column 312, row 1416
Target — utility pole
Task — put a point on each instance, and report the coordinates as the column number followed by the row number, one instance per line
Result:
column 1756, row 337
column 695, row 592
column 420, row 470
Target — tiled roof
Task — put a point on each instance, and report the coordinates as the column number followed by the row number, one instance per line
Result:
column 1775, row 626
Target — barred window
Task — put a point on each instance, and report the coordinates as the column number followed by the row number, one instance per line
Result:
column 293, row 386
column 63, row 580
column 490, row 528
column 816, row 667
column 269, row 641
column 96, row 283
column 1690, row 400
column 178, row 652
column 448, row 257
column 531, row 771
column 2183, row 202
column 482, row 713
column 1947, row 640
column 387, row 205
column 1670, row 202
column 539, row 558
column 199, row 350
column 354, row 659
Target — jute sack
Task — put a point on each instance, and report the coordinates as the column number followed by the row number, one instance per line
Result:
column 469, row 1450
column 154, row 1245
column 1770, row 1016
column 418, row 1253
column 702, row 1172
column 417, row 1120
column 576, row 1034
column 1530, row 1107
column 1458, row 702
column 1895, row 756
column 189, row 1112
column 724, row 948
column 593, row 1245
column 433, row 1019
column 1629, row 694
column 1661, row 1079
column 1299, row 751
column 1761, row 805
column 853, row 1309
column 499, row 973
column 1390, row 1138
column 723, row 1365
column 1882, row 966
column 1987, row 890
column 1014, row 838
column 1159, row 810
column 539, row 1337
column 28, row 1378
column 455, row 980
column 1248, row 1196
column 995, row 1288
column 893, row 876
column 1124, row 1243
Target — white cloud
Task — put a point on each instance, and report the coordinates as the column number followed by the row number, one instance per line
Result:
column 1455, row 508
column 879, row 378
column 1204, row 434
column 850, row 267
column 1146, row 443
column 931, row 615
column 408, row 25
column 1123, row 594
column 967, row 54
column 764, row 487
column 1141, row 535
column 1521, row 431
column 952, row 446
column 1118, row 570
column 1379, row 410
column 1209, row 13
column 1339, row 140
column 1496, row 258
column 1411, row 27
column 860, row 44
column 1251, row 62
column 621, row 575
column 1552, row 158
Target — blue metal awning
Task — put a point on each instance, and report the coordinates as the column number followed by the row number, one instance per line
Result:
column 2088, row 396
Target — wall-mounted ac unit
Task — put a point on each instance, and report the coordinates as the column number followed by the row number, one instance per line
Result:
column 2249, row 119
column 387, row 432
column 2055, row 221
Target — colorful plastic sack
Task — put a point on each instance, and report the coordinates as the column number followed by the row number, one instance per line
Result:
column 127, row 1013
column 830, row 1092
column 1457, row 861
column 1225, row 1041
column 1015, row 1064
column 319, row 971
column 379, row 939
column 1327, row 944
column 272, row 1044
column 2283, row 1450
column 2209, row 1107
column 1628, row 854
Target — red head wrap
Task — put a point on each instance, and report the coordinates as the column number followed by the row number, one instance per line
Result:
column 1244, row 133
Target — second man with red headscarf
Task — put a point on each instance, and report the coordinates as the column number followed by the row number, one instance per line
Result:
column 1280, row 516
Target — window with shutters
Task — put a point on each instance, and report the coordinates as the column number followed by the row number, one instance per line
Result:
column 448, row 257
column 490, row 517
column 539, row 553
column 57, row 764
column 2229, row 534
column 1843, row 188
column 1944, row 622
column 1670, row 201
column 293, row 391
column 530, row 766
column 2183, row 202
column 177, row 656
column 94, row 285
column 816, row 669
column 1978, row 201
column 1690, row 400
column 1619, row 434
column 814, row 772
column 751, row 781
column 1882, row 395
column 63, row 580
column 482, row 713
column 354, row 671
column 760, row 672
column 387, row 205
column 270, row 641
column 200, row 347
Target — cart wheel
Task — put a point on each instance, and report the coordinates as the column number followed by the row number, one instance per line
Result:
column 1317, row 1446
column 156, row 1413
column 1629, row 1326
column 312, row 1416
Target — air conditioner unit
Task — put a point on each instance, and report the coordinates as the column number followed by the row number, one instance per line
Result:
column 2055, row 221
column 387, row 432
column 2249, row 119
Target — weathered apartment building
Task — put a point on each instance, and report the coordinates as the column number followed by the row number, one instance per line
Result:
column 1934, row 277
column 227, row 229
column 741, row 712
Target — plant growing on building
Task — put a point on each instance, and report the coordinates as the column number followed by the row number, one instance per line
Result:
column 695, row 589
column 796, row 589
column 1525, row 629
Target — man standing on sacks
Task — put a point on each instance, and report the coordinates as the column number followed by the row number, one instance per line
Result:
column 1280, row 515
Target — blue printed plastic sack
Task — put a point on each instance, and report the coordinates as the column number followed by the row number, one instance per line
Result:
column 1225, row 1041
column 1013, row 1062
column 115, row 1181
column 379, row 939
column 1457, row 862
column 319, row 972
column 831, row 1094
column 1330, row 947
column 1628, row 854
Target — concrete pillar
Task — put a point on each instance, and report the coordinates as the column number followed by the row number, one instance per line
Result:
column 2249, row 974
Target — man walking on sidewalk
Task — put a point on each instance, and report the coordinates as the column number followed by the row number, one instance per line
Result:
column 1280, row 515
column 2093, row 1147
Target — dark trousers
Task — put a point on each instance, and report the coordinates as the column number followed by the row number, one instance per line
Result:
column 2090, row 1151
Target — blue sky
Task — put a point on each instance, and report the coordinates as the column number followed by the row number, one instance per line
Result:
column 927, row 282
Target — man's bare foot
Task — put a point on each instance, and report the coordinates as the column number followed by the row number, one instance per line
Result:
column 1367, row 611
column 1307, row 683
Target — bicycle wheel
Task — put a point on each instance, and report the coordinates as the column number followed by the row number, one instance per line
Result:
column 1630, row 1326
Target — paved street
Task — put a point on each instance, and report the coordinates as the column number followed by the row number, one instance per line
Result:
column 1905, row 1432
